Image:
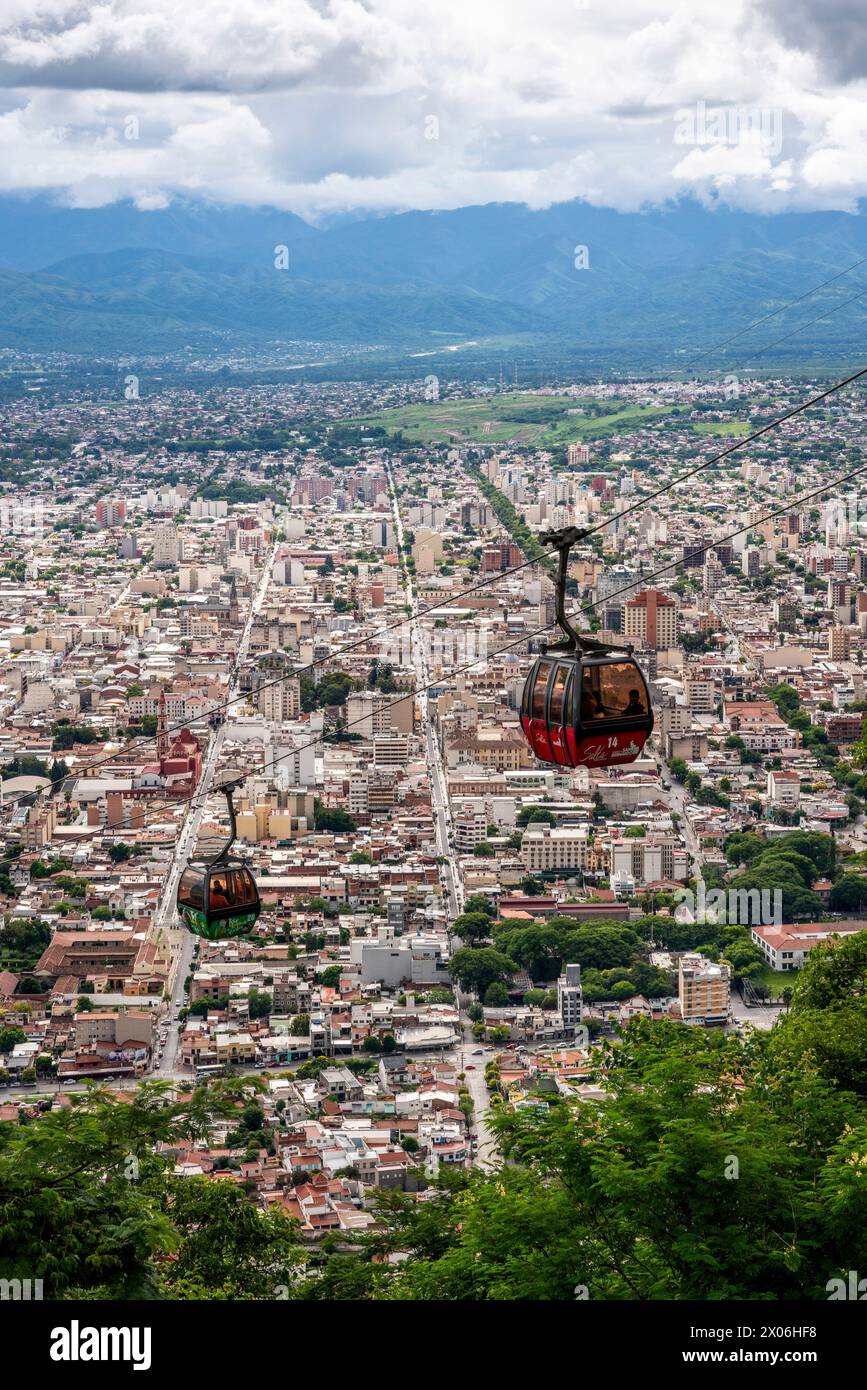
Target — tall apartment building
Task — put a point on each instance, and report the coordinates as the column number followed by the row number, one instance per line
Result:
column 369, row 713
column 840, row 562
column 650, row 619
column 497, row 558
column 35, row 826
column 381, row 789
column 570, row 997
column 212, row 507
column 693, row 553
column 714, row 576
column 614, row 588
column 314, row 489
column 786, row 614
column 838, row 643
column 367, row 487
column 280, row 701
column 110, row 511
column 381, row 534
column 356, row 802
column 577, row 454
column 724, row 552
column 839, row 593
column 751, row 562
column 704, row 990
column 168, row 546
column 700, row 692
column 290, row 766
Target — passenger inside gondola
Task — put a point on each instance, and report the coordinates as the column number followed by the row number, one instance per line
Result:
column 218, row 898
column 591, row 705
column 635, row 705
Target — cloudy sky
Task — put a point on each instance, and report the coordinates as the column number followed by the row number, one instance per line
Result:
column 327, row 106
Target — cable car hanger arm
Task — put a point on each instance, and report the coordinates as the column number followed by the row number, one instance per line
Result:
column 573, row 641
column 227, row 788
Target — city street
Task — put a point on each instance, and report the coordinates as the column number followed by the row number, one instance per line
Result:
column 762, row 1016
column 184, row 942
column 486, row 1149
column 451, row 876
column 678, row 800
column 439, row 787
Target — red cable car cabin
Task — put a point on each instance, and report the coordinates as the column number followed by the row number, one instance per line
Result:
column 581, row 711
column 583, row 706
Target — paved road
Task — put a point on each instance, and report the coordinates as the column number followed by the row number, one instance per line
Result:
column 678, row 799
column 183, row 942
column 460, row 1053
column 450, row 870
column 762, row 1016
column 486, row 1150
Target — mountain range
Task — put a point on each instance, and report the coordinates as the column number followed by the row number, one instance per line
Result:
column 657, row 285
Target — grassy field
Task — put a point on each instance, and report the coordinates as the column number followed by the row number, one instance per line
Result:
column 515, row 417
column 774, row 980
column 737, row 428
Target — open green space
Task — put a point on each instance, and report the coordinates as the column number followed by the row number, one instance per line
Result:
column 514, row 417
column 775, row 981
column 739, row 429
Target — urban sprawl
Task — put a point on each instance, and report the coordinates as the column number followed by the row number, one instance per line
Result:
column 310, row 589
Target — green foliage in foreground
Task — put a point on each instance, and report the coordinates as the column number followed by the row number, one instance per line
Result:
column 716, row 1167
column 89, row 1207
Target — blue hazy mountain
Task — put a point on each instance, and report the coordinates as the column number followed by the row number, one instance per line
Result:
column 666, row 280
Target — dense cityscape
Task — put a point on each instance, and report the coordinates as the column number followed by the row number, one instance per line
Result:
column 331, row 596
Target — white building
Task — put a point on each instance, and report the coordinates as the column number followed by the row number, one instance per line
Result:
column 570, row 997
column 408, row 959
column 168, row 546
column 470, row 829
column 784, row 789
column 648, row 859
column 544, row 848
column 787, row 947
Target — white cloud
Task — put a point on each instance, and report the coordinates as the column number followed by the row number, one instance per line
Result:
column 324, row 105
